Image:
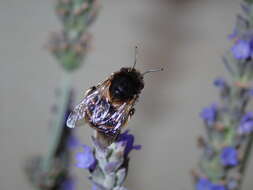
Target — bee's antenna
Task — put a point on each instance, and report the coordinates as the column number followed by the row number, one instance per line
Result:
column 135, row 56
column 151, row 71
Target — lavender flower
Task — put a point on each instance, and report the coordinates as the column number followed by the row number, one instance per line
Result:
column 222, row 167
column 96, row 187
column 218, row 187
column 209, row 114
column 220, row 82
column 250, row 91
column 68, row 184
column 232, row 184
column 229, row 156
column 241, row 50
column 233, row 35
column 86, row 158
column 246, row 124
column 111, row 164
column 73, row 142
column 72, row 43
column 129, row 139
column 203, row 184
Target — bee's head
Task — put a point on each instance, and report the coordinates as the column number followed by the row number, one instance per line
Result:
column 126, row 84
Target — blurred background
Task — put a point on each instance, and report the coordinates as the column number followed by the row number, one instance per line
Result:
column 186, row 37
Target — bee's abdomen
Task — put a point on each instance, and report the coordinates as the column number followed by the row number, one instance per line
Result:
column 103, row 116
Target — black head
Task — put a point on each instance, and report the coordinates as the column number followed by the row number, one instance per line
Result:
column 125, row 84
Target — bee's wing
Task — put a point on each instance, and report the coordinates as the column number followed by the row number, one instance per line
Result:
column 121, row 116
column 79, row 111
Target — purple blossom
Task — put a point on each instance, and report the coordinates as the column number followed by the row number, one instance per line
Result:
column 203, row 184
column 246, row 124
column 68, row 184
column 246, row 9
column 229, row 156
column 241, row 50
column 129, row 140
column 250, row 91
column 233, row 35
column 232, row 184
column 97, row 187
column 209, row 114
column 218, row 187
column 73, row 142
column 220, row 82
column 86, row 158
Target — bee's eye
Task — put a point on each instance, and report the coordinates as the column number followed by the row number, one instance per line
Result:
column 117, row 92
column 121, row 91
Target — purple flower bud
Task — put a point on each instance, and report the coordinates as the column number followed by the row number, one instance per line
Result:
column 86, row 158
column 209, row 114
column 246, row 124
column 203, row 184
column 97, row 187
column 250, row 91
column 73, row 142
column 241, row 50
column 220, row 82
column 218, row 187
column 68, row 184
column 228, row 156
column 232, row 184
column 233, row 35
column 129, row 139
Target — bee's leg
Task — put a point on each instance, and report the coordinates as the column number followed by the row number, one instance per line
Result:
column 90, row 90
column 93, row 88
column 131, row 112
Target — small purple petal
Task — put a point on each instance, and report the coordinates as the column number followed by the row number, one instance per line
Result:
column 229, row 156
column 245, row 8
column 68, row 184
column 233, row 35
column 246, row 124
column 218, row 187
column 203, row 184
column 73, row 142
column 232, row 184
column 97, row 187
column 209, row 114
column 137, row 147
column 241, row 50
column 251, row 91
column 220, row 82
column 129, row 140
column 85, row 159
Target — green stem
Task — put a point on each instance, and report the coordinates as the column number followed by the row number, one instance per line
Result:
column 58, row 124
column 245, row 160
column 249, row 1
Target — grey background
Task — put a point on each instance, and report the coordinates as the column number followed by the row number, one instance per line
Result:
column 186, row 37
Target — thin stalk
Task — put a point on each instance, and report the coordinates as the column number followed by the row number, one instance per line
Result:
column 62, row 105
column 245, row 160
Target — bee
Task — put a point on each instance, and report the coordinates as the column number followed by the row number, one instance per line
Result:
column 108, row 106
